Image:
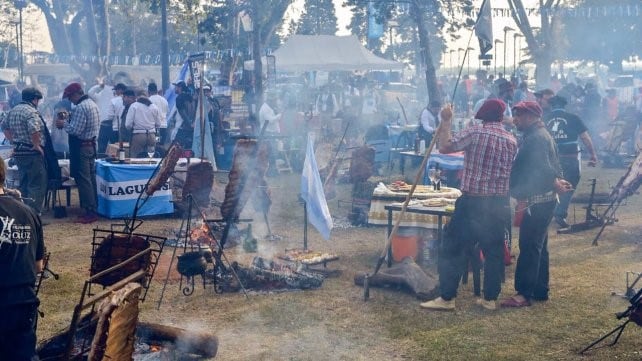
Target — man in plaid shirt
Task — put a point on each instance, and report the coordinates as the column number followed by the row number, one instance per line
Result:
column 82, row 126
column 482, row 213
column 23, row 126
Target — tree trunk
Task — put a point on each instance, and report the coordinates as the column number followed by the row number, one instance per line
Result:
column 104, row 36
column 57, row 30
column 102, row 7
column 424, row 44
column 258, row 64
column 92, row 35
column 543, row 64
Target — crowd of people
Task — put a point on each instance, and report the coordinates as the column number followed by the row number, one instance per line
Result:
column 519, row 144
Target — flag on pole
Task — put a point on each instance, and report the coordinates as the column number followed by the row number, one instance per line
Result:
column 313, row 195
column 375, row 29
column 484, row 28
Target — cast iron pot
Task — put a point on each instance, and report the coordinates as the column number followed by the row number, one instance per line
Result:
column 191, row 264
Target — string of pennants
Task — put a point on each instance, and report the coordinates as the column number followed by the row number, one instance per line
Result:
column 174, row 59
column 581, row 11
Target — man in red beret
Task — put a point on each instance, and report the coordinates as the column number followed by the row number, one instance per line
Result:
column 535, row 180
column 483, row 211
column 82, row 126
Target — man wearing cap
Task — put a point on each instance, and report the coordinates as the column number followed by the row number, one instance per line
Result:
column 82, row 126
column 183, row 115
column 163, row 108
column 483, row 211
column 504, row 92
column 143, row 118
column 25, row 129
column 566, row 129
column 535, row 178
column 124, row 134
column 542, row 97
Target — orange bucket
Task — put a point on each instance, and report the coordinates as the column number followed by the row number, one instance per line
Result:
column 404, row 246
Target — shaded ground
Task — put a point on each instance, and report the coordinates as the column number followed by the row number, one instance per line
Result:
column 334, row 323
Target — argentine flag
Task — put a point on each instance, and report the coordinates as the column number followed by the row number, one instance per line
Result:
column 313, row 195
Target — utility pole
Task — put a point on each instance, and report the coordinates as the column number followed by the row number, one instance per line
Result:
column 164, row 47
column 20, row 4
column 506, row 30
column 497, row 41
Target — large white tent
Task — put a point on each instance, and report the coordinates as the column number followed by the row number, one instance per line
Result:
column 326, row 53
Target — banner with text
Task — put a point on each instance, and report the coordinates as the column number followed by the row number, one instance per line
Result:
column 120, row 185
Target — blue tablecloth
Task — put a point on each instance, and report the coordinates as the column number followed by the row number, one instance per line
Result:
column 452, row 161
column 119, row 186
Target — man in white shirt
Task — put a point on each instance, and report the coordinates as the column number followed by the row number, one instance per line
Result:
column 267, row 113
column 163, row 107
column 143, row 118
column 428, row 121
column 115, row 110
column 102, row 94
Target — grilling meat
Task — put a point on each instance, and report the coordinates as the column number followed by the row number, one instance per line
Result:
column 249, row 164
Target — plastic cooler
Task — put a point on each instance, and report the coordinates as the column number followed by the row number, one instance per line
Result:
column 405, row 243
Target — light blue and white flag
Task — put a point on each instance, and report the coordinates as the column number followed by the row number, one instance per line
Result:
column 375, row 28
column 170, row 94
column 313, row 195
column 196, row 141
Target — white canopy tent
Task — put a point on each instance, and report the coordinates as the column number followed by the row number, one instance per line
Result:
column 326, row 53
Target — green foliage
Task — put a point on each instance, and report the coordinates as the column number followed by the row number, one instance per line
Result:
column 436, row 14
column 606, row 38
column 222, row 29
column 318, row 18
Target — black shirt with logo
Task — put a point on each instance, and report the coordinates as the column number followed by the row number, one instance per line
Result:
column 21, row 245
column 565, row 128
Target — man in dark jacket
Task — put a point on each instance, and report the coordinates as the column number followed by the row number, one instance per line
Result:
column 535, row 180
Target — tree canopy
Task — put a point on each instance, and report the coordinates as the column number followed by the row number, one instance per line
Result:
column 318, row 18
column 605, row 34
column 425, row 18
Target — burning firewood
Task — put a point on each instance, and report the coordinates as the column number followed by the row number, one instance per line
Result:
column 186, row 341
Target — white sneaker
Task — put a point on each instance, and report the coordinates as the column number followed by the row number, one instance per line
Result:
column 487, row 305
column 439, row 304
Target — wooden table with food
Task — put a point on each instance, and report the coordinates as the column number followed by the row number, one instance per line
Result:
column 397, row 192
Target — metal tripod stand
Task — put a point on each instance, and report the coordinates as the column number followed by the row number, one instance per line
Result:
column 633, row 313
